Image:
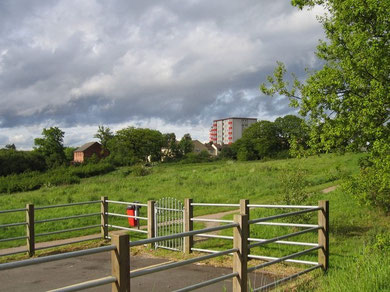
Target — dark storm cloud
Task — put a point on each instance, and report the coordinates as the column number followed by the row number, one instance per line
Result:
column 100, row 62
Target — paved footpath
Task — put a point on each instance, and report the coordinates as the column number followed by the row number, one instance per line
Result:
column 52, row 275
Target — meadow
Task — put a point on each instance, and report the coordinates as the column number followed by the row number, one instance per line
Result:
column 359, row 236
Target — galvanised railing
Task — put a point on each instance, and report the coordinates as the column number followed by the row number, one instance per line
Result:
column 30, row 224
column 240, row 250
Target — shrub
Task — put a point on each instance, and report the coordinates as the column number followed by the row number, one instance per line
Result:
column 88, row 170
column 141, row 170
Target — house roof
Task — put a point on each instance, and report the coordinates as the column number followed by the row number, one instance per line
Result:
column 85, row 146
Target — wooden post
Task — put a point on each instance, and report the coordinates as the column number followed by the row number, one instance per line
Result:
column 30, row 229
column 151, row 221
column 188, row 225
column 323, row 234
column 244, row 210
column 104, row 217
column 120, row 261
column 240, row 258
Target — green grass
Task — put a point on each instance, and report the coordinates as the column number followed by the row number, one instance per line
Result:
column 354, row 228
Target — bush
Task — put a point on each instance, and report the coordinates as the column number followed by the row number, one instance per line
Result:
column 141, row 170
column 372, row 185
column 88, row 170
column 15, row 162
column 34, row 180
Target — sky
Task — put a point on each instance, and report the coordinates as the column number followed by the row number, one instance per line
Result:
column 172, row 65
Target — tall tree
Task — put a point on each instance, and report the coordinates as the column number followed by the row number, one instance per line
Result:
column 185, row 144
column 51, row 146
column 348, row 99
column 291, row 129
column 104, row 134
column 131, row 145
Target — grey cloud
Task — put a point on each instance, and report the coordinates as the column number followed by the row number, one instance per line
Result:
column 111, row 62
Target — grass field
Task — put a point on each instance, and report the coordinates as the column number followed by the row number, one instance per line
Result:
column 359, row 237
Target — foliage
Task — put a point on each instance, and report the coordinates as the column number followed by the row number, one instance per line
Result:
column 33, row 180
column 15, row 162
column 293, row 186
column 291, row 129
column 88, row 170
column 69, row 153
column 372, row 185
column 10, row 147
column 141, row 170
column 203, row 156
column 258, row 141
column 104, row 134
column 51, row 146
column 227, row 152
column 172, row 148
column 348, row 99
column 185, row 145
column 131, row 145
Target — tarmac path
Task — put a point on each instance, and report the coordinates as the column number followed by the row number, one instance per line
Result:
column 52, row 275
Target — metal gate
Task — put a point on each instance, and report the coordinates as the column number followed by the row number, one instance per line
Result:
column 169, row 214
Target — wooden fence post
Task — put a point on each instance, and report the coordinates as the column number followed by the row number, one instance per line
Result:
column 244, row 210
column 151, row 221
column 240, row 258
column 323, row 234
column 30, row 229
column 120, row 261
column 188, row 225
column 104, row 217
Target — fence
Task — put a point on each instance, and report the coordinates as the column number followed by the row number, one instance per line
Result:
column 120, row 258
column 104, row 214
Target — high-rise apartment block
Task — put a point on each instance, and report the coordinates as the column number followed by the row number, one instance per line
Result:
column 229, row 130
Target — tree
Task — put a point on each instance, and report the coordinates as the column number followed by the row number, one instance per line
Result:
column 186, row 146
column 10, row 147
column 172, row 148
column 132, row 145
column 69, row 153
column 51, row 146
column 348, row 99
column 258, row 141
column 291, row 129
column 104, row 134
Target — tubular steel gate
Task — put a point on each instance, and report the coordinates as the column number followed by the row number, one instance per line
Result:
column 169, row 220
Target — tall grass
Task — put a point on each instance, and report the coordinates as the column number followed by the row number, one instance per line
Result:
column 352, row 227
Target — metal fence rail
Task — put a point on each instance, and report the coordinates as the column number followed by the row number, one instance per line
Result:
column 52, row 258
column 127, row 203
column 68, row 205
column 86, row 285
column 278, row 282
column 240, row 251
column 66, row 218
column 126, row 228
column 13, row 210
column 126, row 216
column 281, row 206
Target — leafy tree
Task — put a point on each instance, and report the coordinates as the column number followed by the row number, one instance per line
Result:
column 104, row 134
column 10, row 147
column 131, row 145
column 186, row 146
column 69, row 153
column 51, row 146
column 259, row 140
column 348, row 99
column 15, row 162
column 171, row 146
column 290, row 129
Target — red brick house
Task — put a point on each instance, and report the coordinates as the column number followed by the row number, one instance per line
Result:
column 87, row 150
